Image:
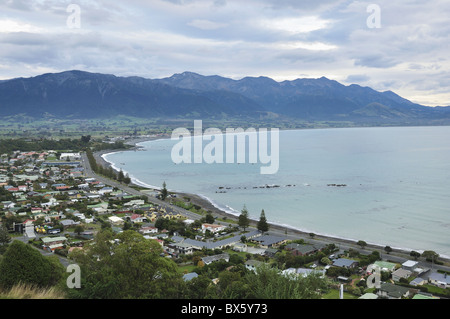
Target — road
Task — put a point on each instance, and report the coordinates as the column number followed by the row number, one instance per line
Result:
column 167, row 206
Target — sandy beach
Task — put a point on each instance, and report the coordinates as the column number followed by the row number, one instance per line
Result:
column 274, row 228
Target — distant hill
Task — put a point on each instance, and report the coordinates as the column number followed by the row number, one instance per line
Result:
column 78, row 94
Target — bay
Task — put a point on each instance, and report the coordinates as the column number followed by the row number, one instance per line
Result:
column 394, row 183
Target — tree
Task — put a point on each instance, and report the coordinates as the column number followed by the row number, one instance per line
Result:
column 244, row 221
column 120, row 176
column 209, row 218
column 270, row 283
column 414, row 254
column 24, row 264
column 129, row 267
column 79, row 229
column 4, row 236
column 262, row 225
column 164, row 192
column 85, row 139
column 430, row 255
column 387, row 249
column 361, row 243
column 127, row 179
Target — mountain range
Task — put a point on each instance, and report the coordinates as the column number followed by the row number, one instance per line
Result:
column 82, row 95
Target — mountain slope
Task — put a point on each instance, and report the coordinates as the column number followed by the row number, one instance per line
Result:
column 77, row 94
column 86, row 95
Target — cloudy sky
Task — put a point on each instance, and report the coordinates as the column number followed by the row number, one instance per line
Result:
column 401, row 46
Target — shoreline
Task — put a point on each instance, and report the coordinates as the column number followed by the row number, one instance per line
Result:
column 282, row 230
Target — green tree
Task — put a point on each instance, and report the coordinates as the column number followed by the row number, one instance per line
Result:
column 270, row 283
column 244, row 221
column 79, row 229
column 24, row 264
column 414, row 254
column 164, row 192
column 361, row 243
column 388, row 249
column 120, row 176
column 129, row 267
column 262, row 225
column 4, row 236
column 430, row 255
column 209, row 218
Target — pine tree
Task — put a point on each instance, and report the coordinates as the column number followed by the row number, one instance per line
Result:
column 262, row 225
column 164, row 192
column 244, row 221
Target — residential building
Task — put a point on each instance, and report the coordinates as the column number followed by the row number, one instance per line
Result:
column 391, row 291
column 210, row 259
column 401, row 273
column 345, row 263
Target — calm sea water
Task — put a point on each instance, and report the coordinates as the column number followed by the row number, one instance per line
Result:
column 397, row 181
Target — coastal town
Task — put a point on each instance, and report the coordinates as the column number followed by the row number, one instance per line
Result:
column 54, row 202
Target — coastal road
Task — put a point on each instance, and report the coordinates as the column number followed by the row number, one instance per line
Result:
column 167, row 206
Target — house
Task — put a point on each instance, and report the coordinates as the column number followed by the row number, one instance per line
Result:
column 8, row 204
column 301, row 250
column 52, row 243
column 181, row 248
column 115, row 220
column 392, row 291
column 253, row 264
column 271, row 252
column 137, row 218
column 410, row 265
column 345, row 263
column 148, row 230
column 212, row 228
column 190, row 276
column 240, row 247
column 269, row 241
column 401, row 273
column 68, row 223
column 385, row 266
column 439, row 279
column 304, row 272
column 210, row 259
column 104, row 190
column 368, row 295
column 70, row 156
column 418, row 281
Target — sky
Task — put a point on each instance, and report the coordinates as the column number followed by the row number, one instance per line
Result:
column 402, row 46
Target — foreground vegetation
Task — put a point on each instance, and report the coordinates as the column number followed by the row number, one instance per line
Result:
column 127, row 266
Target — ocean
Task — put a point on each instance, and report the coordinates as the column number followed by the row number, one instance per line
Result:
column 386, row 186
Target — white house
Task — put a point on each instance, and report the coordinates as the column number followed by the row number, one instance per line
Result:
column 212, row 228
column 115, row 220
column 70, row 156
